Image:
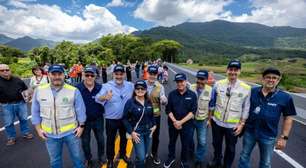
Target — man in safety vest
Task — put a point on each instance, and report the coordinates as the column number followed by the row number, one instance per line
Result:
column 58, row 113
column 203, row 92
column 157, row 95
column 231, row 102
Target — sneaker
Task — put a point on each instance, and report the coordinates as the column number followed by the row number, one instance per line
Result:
column 156, row 160
column 28, row 136
column 110, row 164
column 182, row 165
column 214, row 164
column 169, row 163
column 11, row 142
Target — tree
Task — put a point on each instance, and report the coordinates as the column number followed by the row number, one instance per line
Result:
column 67, row 53
column 42, row 55
column 167, row 49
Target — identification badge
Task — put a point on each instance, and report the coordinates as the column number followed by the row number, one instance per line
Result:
column 206, row 93
column 257, row 110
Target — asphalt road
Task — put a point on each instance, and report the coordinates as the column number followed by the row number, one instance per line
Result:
column 33, row 154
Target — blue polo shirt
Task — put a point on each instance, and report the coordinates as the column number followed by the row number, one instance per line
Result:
column 265, row 112
column 94, row 110
column 181, row 104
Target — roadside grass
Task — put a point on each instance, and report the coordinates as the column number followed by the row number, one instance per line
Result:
column 294, row 72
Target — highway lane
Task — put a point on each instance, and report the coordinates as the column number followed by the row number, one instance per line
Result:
column 33, row 153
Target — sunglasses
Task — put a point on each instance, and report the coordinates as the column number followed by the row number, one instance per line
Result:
column 4, row 70
column 140, row 88
column 87, row 75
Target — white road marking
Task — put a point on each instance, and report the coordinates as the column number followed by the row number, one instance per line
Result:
column 15, row 123
column 288, row 159
column 280, row 153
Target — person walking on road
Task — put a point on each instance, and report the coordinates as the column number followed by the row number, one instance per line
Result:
column 137, row 69
column 13, row 104
column 113, row 95
column 231, row 102
column 94, row 112
column 268, row 103
column 201, row 121
column 181, row 108
column 58, row 113
column 38, row 78
column 139, row 122
column 156, row 92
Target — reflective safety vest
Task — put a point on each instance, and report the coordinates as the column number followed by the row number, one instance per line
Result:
column 155, row 99
column 229, row 107
column 203, row 101
column 57, row 113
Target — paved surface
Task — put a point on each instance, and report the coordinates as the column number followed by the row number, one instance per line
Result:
column 33, row 154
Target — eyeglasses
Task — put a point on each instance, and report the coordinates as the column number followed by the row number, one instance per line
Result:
column 140, row 88
column 87, row 75
column 4, row 70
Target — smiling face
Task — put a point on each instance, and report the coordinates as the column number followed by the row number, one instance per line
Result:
column 57, row 78
column 152, row 77
column 89, row 78
column 5, row 71
column 140, row 91
column 233, row 73
column 181, row 85
column 201, row 82
column 270, row 81
column 119, row 77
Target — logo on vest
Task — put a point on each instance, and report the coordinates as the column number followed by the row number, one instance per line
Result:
column 65, row 100
column 206, row 93
column 240, row 95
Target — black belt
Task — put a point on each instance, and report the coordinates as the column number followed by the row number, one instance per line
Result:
column 12, row 102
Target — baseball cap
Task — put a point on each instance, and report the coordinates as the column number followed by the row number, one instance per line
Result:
column 56, row 68
column 180, row 77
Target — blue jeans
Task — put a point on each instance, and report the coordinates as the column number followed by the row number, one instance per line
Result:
column 266, row 146
column 201, row 132
column 10, row 111
column 142, row 148
column 55, row 148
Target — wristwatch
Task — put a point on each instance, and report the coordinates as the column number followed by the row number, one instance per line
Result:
column 284, row 137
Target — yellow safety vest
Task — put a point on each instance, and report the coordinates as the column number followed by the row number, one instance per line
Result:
column 229, row 108
column 57, row 113
column 203, row 102
column 155, row 99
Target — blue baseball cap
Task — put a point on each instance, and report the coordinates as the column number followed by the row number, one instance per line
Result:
column 119, row 68
column 153, row 69
column 180, row 77
column 89, row 70
column 56, row 68
column 234, row 64
column 202, row 74
column 141, row 83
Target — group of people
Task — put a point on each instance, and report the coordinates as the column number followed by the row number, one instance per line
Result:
column 65, row 115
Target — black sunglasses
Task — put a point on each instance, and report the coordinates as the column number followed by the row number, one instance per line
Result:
column 140, row 88
column 87, row 75
column 6, row 70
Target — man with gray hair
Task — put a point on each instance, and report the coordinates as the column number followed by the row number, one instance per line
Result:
column 13, row 104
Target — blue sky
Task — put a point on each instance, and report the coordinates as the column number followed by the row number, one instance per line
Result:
column 86, row 20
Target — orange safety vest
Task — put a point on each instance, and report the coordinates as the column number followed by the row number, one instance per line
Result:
column 145, row 74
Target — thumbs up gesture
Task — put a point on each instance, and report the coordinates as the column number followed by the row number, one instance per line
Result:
column 107, row 96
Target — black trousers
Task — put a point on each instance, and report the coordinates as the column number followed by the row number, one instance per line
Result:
column 155, row 137
column 218, row 133
column 112, row 127
column 97, row 126
column 186, row 136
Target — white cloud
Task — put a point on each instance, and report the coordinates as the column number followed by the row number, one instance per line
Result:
column 50, row 22
column 275, row 13
column 172, row 12
column 115, row 3
column 269, row 12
